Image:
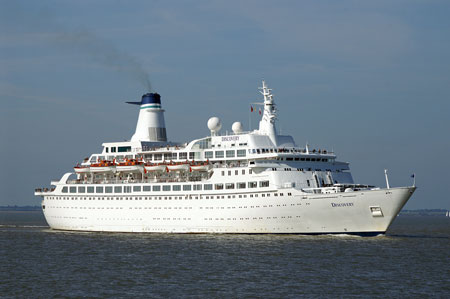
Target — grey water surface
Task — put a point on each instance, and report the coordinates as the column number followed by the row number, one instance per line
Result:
column 411, row 260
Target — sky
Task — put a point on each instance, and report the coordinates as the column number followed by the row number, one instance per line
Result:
column 367, row 79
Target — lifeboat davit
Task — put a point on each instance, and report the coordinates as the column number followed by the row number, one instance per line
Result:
column 155, row 167
column 180, row 166
column 103, row 167
column 133, row 166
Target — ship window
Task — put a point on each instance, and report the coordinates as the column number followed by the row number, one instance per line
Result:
column 236, row 172
column 252, row 184
column 73, row 189
column 148, row 157
column 168, row 157
column 302, row 159
column 117, row 189
column 174, row 156
column 127, row 189
column 187, row 188
column 264, row 184
column 156, row 188
column 309, row 184
column 90, row 189
column 176, row 188
column 223, row 173
column 250, row 171
column 157, row 157
column 93, row 159
column 191, row 155
column 146, row 188
column 229, row 172
column 218, row 186
column 241, row 153
column 207, row 187
column 229, row 185
column 308, row 159
column 107, row 149
column 208, row 155
column 243, row 171
column 166, row 187
column 230, row 153
column 289, row 159
column 98, row 189
column 182, row 156
column 241, row 185
column 124, row 149
column 324, row 160
column 197, row 187
column 136, row 188
column 81, row 189
column 219, row 154
column 108, row 189
column 113, row 149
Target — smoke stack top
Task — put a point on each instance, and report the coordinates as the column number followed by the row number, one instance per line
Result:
column 151, row 125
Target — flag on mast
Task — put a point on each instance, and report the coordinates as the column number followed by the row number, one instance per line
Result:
column 259, row 111
column 251, row 108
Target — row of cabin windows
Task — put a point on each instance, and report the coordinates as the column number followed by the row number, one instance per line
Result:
column 119, row 149
column 157, row 188
column 175, row 197
column 225, row 154
column 307, row 159
column 236, row 172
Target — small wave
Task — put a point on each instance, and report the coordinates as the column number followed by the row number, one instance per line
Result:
column 23, row 226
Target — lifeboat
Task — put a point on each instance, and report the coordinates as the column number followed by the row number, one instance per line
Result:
column 155, row 167
column 81, row 169
column 132, row 165
column 103, row 167
column 200, row 166
column 180, row 166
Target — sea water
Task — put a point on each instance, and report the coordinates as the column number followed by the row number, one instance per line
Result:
column 411, row 260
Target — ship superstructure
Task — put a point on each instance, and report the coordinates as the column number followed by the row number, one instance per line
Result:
column 245, row 182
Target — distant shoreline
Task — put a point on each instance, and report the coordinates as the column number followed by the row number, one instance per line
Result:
column 424, row 212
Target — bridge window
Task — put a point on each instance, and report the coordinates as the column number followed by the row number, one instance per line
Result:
column 252, row 184
column 241, row 153
column 264, row 184
column 123, row 149
column 230, row 153
column 209, row 155
column 219, row 154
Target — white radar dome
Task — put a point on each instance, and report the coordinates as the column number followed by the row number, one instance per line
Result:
column 237, row 127
column 214, row 125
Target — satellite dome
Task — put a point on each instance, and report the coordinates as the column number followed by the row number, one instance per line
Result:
column 214, row 125
column 237, row 127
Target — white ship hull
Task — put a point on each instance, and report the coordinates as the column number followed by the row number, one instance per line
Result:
column 347, row 213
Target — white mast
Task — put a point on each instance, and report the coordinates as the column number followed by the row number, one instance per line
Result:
column 267, row 123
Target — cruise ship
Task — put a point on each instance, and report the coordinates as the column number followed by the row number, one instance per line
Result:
column 247, row 182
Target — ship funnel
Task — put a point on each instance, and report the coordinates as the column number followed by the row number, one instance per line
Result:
column 150, row 125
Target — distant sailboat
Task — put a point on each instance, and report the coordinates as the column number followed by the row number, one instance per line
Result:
column 448, row 214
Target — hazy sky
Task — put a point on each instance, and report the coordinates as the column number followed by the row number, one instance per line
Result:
column 369, row 79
